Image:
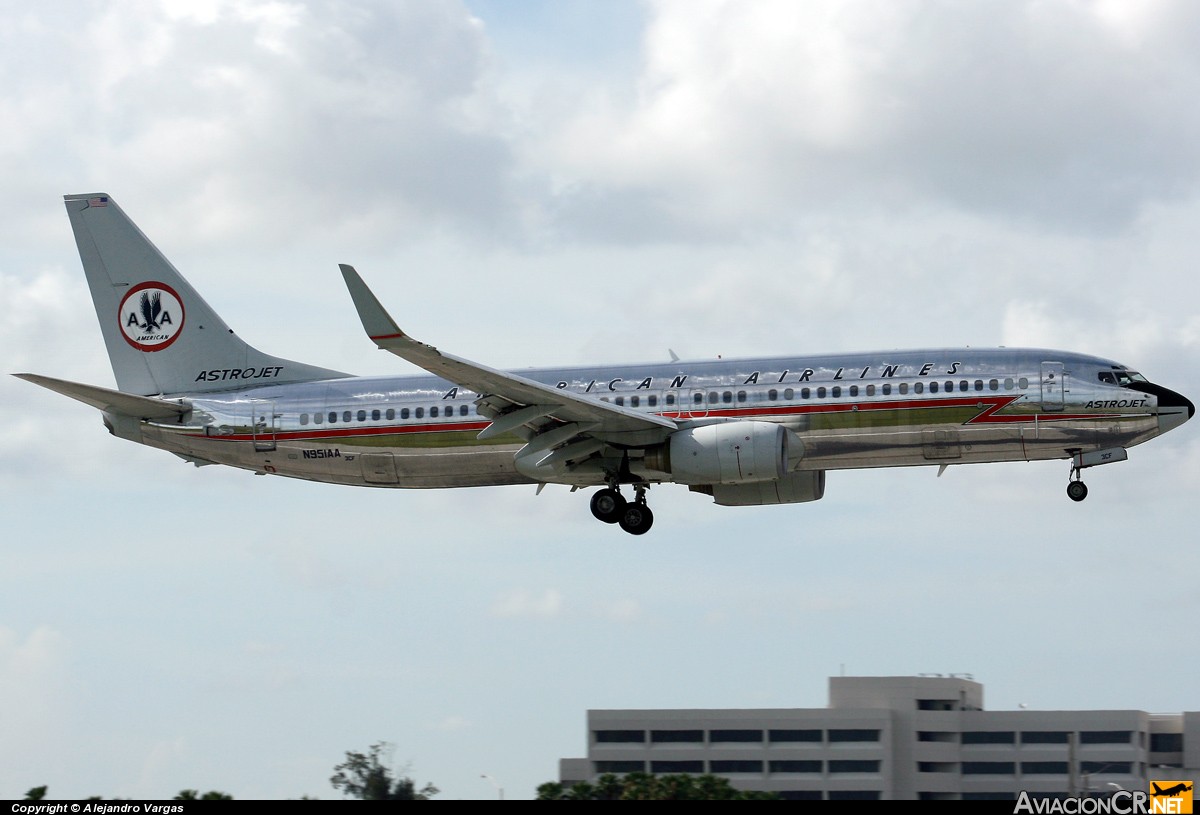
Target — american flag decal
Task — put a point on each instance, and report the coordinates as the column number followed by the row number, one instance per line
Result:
column 101, row 201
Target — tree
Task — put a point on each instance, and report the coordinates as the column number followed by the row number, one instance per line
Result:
column 36, row 793
column 646, row 787
column 364, row 776
column 211, row 795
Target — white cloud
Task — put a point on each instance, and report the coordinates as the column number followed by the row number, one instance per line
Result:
column 545, row 604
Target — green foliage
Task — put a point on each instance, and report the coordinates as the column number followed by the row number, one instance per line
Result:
column 646, row 787
column 364, row 776
column 36, row 794
column 211, row 795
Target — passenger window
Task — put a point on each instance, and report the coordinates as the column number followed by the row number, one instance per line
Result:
column 933, row 387
column 919, row 387
column 433, row 412
column 903, row 388
column 1023, row 383
column 870, row 390
column 462, row 410
column 993, row 384
column 789, row 394
column 697, row 398
column 805, row 393
column 712, row 397
column 303, row 419
column 837, row 393
column 391, row 414
column 374, row 415
column 362, row 415
column 773, row 395
column 620, row 400
column 821, row 393
column 741, row 396
column 403, row 413
column 345, row 415
column 419, row 413
column 978, row 384
column 887, row 389
column 635, row 401
column 318, row 418
column 670, row 400
column 332, row 416
column 652, row 401
column 727, row 397
column 962, row 386
column 1008, row 383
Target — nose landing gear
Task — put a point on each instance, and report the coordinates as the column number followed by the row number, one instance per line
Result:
column 609, row 506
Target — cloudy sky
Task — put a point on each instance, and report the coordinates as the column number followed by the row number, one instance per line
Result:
column 569, row 182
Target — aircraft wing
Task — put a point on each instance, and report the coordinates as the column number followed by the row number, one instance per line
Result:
column 110, row 401
column 530, row 400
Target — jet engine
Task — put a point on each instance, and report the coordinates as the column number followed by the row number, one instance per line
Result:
column 725, row 453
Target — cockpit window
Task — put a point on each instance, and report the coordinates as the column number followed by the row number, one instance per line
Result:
column 1126, row 378
column 1123, row 378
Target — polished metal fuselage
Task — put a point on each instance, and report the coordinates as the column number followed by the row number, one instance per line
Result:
column 880, row 409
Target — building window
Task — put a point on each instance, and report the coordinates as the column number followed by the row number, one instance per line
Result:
column 853, row 735
column 1105, row 737
column 776, row 736
column 677, row 766
column 937, row 735
column 845, row 765
column 620, row 766
column 1043, row 768
column 800, row 795
column 619, row 736
column 990, row 737
column 1044, row 737
column 988, row 768
column 936, row 704
column 936, row 767
column 1166, row 742
column 854, row 795
column 672, row 736
column 718, row 736
column 735, row 766
column 1106, row 767
column 794, row 766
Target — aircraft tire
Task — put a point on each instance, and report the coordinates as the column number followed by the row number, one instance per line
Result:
column 1077, row 490
column 637, row 519
column 608, row 505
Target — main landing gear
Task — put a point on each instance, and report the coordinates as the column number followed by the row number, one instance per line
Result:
column 610, row 506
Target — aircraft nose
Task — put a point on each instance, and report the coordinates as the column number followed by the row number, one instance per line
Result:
column 1171, row 407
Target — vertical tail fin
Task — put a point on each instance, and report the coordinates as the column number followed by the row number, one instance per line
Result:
column 162, row 337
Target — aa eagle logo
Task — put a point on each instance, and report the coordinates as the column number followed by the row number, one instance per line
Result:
column 151, row 316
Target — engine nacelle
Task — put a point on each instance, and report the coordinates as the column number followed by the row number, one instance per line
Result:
column 726, row 453
column 795, row 488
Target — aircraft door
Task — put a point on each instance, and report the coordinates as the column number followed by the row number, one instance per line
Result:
column 1053, row 385
column 264, row 424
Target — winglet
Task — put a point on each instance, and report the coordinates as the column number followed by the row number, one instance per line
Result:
column 378, row 324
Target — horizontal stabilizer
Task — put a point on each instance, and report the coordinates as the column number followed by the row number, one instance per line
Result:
column 110, row 401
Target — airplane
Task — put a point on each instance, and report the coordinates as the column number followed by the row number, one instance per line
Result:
column 1170, row 792
column 746, row 432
